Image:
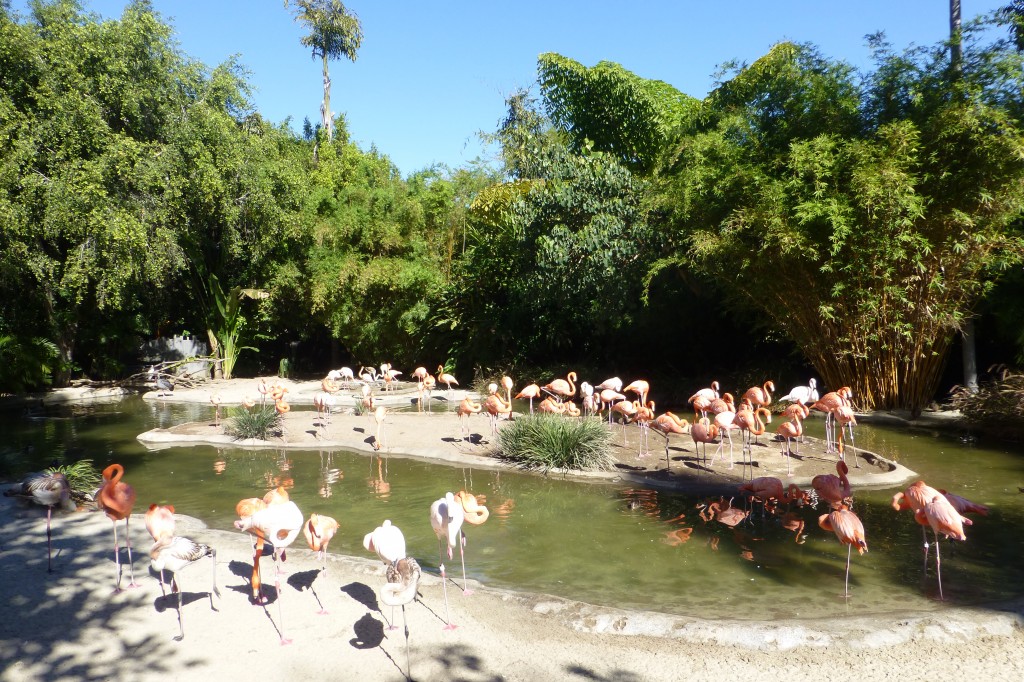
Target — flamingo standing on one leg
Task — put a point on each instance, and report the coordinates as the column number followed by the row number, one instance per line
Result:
column 446, row 379
column 175, row 553
column 48, row 489
column 446, row 517
column 378, row 414
column 474, row 514
column 507, row 384
column 466, row 408
column 530, row 391
column 667, row 424
column 318, row 531
column 216, row 401
column 848, row 528
column 403, row 578
column 116, row 499
column 943, row 518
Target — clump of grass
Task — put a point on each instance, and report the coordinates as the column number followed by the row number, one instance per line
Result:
column 547, row 441
column 256, row 422
column 83, row 477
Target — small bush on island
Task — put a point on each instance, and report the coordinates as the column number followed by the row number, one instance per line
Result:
column 996, row 407
column 83, row 478
column 256, row 422
column 548, row 441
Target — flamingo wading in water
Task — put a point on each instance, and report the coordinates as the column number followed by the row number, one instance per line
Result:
column 848, row 528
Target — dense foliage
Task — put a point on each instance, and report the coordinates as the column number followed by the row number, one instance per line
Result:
column 859, row 218
column 865, row 218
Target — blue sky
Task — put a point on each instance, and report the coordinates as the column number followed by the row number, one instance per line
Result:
column 429, row 76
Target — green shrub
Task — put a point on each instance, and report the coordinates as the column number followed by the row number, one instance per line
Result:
column 256, row 422
column 82, row 476
column 548, row 441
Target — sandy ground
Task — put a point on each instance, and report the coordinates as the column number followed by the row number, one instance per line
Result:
column 70, row 625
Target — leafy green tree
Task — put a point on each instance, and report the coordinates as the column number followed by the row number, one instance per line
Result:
column 82, row 104
column 555, row 256
column 130, row 171
column 611, row 109
column 368, row 263
column 864, row 218
column 334, row 32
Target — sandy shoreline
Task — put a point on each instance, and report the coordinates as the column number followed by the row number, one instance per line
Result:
column 68, row 625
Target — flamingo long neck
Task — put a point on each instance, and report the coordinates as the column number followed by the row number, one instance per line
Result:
column 571, row 377
column 767, row 393
column 117, row 471
column 760, row 426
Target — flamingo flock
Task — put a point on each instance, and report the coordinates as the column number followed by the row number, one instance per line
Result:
column 274, row 521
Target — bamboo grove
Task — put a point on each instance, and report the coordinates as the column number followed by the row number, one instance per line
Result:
column 804, row 216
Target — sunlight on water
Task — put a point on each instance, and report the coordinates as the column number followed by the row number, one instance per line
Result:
column 601, row 543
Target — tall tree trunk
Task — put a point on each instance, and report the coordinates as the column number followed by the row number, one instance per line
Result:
column 325, row 106
column 956, row 54
column 970, row 357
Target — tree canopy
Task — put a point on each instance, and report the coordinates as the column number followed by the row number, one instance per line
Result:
column 865, row 218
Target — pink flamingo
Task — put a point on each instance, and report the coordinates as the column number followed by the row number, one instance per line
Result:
column 848, row 528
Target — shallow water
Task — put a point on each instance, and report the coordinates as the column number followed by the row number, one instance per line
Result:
column 608, row 544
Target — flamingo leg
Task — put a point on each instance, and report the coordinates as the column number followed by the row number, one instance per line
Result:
column 117, row 562
column 938, row 566
column 849, row 550
column 405, row 622
column 49, row 546
column 462, row 554
column 128, row 544
column 181, row 623
column 924, row 535
column 256, row 582
column 449, row 625
column 213, row 565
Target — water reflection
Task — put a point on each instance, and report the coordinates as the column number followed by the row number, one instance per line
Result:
column 621, row 545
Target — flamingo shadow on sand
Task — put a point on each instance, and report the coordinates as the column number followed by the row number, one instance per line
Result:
column 170, row 601
column 362, row 593
column 244, row 570
column 369, row 633
column 303, row 580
